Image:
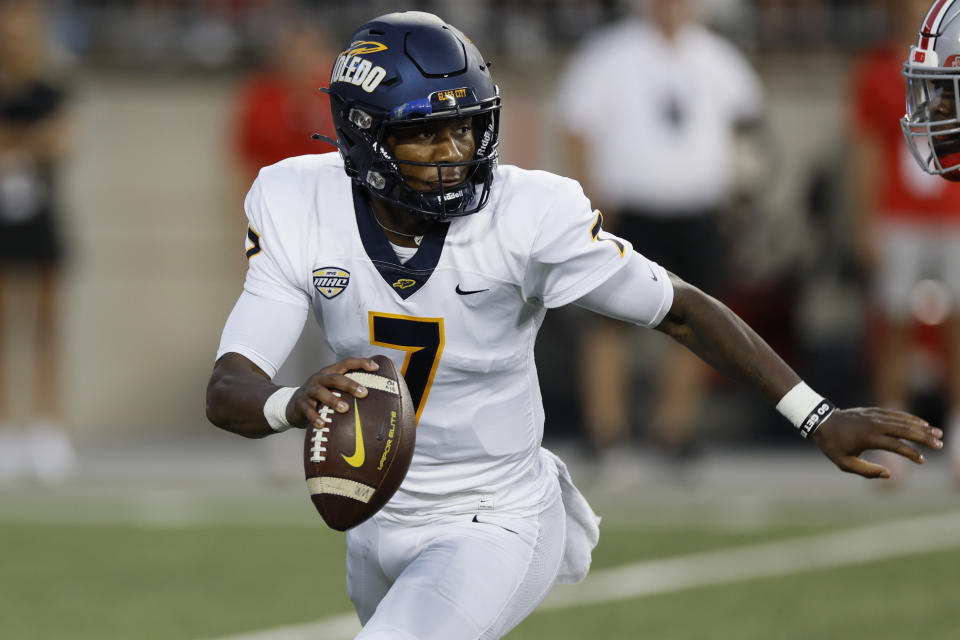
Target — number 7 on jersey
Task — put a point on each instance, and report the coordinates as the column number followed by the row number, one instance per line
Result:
column 421, row 338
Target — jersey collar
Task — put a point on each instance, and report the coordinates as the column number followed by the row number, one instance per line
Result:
column 404, row 279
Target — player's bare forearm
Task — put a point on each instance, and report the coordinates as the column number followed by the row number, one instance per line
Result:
column 236, row 394
column 238, row 390
column 722, row 339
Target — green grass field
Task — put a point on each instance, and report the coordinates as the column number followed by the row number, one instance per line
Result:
column 907, row 598
column 92, row 563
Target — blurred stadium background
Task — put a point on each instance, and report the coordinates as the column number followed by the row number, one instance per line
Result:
column 170, row 529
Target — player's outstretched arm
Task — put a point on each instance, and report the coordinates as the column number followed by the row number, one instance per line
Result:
column 722, row 339
column 239, row 396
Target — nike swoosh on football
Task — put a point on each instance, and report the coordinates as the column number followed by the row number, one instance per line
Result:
column 467, row 293
column 356, row 460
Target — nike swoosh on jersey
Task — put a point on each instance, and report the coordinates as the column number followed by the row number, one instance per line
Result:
column 356, row 460
column 653, row 273
column 467, row 293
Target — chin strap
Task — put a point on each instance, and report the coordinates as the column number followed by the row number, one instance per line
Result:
column 440, row 203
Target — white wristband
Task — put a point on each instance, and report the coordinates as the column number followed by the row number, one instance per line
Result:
column 805, row 408
column 275, row 408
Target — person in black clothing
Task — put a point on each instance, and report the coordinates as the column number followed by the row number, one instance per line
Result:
column 33, row 139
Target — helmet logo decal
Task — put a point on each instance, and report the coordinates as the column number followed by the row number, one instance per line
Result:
column 357, row 71
column 330, row 281
column 360, row 47
column 952, row 61
column 485, row 140
column 450, row 96
column 923, row 57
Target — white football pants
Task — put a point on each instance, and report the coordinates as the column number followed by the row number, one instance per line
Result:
column 454, row 578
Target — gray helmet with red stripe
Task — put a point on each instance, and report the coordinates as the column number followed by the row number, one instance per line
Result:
column 932, row 122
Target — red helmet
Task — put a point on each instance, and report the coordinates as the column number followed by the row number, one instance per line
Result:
column 932, row 122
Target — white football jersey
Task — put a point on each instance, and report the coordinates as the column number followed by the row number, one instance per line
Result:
column 459, row 318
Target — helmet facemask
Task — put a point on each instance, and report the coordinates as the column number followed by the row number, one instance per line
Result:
column 931, row 125
column 384, row 177
column 446, row 200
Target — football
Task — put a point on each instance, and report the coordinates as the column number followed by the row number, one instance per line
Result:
column 356, row 461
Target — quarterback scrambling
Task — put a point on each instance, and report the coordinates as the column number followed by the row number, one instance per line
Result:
column 413, row 243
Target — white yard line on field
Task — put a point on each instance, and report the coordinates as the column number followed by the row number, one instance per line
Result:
column 341, row 627
column 859, row 545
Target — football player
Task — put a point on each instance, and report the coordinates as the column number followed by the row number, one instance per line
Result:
column 932, row 130
column 413, row 243
column 932, row 122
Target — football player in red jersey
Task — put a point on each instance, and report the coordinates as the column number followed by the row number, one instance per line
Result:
column 931, row 128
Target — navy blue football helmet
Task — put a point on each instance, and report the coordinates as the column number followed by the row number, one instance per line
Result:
column 402, row 69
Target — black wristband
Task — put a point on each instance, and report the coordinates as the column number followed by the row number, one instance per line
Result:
column 816, row 418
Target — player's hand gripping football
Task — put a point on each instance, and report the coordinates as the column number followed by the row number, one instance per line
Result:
column 850, row 432
column 319, row 390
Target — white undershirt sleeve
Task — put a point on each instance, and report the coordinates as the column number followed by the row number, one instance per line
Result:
column 262, row 330
column 640, row 292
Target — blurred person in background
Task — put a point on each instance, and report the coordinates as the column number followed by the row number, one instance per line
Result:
column 278, row 108
column 650, row 109
column 908, row 231
column 33, row 139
